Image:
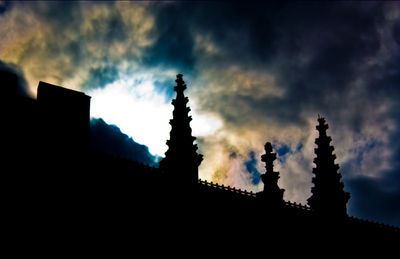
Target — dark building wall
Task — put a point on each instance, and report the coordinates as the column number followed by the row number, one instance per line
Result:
column 64, row 116
column 9, row 84
column 18, row 124
column 103, row 190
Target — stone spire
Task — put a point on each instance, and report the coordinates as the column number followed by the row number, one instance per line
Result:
column 328, row 195
column 272, row 193
column 181, row 160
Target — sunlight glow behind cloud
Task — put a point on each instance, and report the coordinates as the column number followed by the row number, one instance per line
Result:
column 139, row 111
column 255, row 78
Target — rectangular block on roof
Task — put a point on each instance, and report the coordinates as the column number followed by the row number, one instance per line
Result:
column 65, row 115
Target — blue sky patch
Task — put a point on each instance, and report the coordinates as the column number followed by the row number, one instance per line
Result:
column 251, row 166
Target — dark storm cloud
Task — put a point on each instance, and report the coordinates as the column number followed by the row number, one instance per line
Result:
column 65, row 15
column 109, row 139
column 330, row 59
column 312, row 49
column 370, row 200
column 375, row 198
column 396, row 32
column 264, row 68
column 75, row 43
column 62, row 18
column 11, row 75
column 174, row 44
column 4, row 5
column 101, row 76
column 235, row 27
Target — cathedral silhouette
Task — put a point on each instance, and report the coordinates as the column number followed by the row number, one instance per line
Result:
column 50, row 169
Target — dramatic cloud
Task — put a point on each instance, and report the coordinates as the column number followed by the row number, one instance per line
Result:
column 12, row 75
column 255, row 73
column 136, row 108
column 74, row 45
column 109, row 139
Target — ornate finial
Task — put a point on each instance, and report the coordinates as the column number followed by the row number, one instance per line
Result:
column 271, row 191
column 181, row 86
column 321, row 119
column 268, row 157
column 268, row 147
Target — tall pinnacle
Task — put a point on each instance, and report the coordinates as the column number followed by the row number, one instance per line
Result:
column 272, row 193
column 328, row 195
column 181, row 159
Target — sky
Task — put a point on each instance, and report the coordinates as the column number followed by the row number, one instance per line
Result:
column 255, row 73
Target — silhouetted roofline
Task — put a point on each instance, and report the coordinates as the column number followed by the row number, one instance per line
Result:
column 47, row 87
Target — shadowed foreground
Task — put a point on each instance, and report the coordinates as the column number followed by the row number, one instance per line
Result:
column 59, row 192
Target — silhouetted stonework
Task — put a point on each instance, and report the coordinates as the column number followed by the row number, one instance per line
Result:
column 181, row 160
column 64, row 118
column 92, row 191
column 271, row 193
column 328, row 196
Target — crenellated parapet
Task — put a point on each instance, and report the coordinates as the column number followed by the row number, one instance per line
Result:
column 228, row 189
